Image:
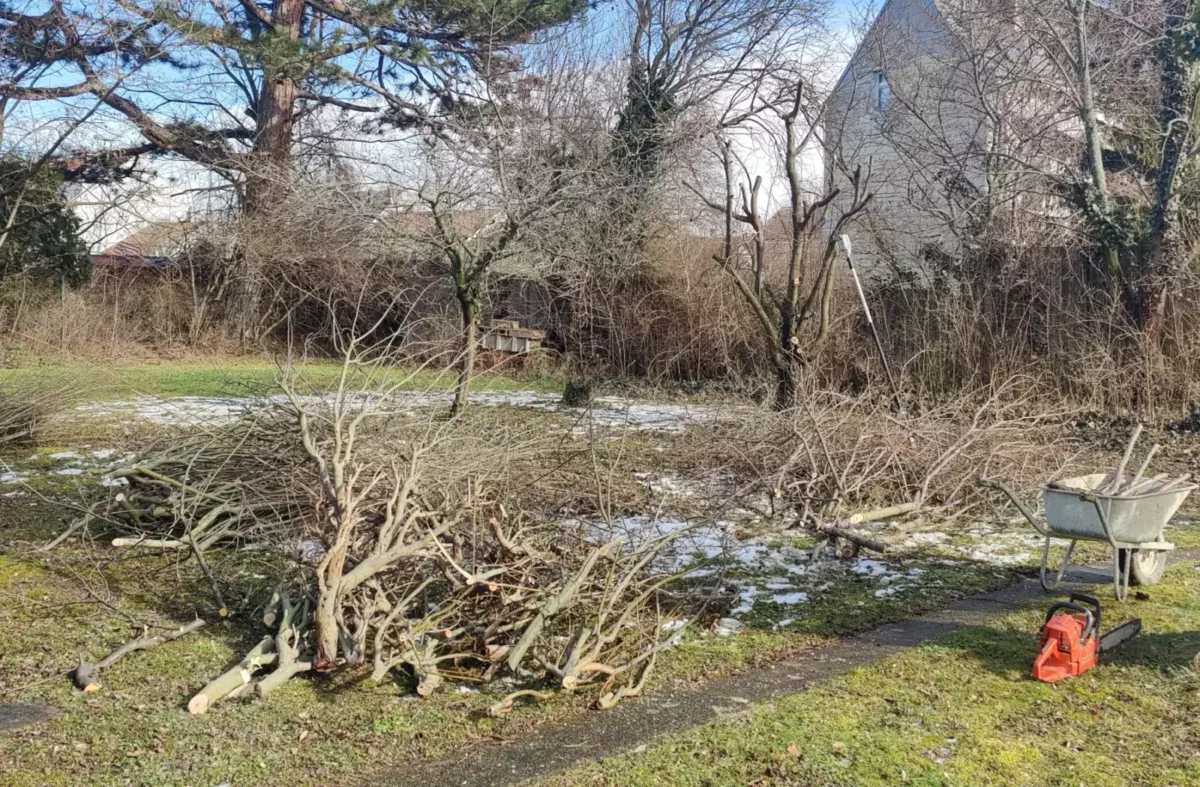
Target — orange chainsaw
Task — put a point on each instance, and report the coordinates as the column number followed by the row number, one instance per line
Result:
column 1069, row 642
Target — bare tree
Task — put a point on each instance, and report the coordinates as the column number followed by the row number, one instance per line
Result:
column 783, row 313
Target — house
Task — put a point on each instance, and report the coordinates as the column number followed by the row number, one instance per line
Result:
column 966, row 127
column 150, row 249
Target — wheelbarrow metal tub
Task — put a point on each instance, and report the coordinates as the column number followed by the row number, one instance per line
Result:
column 1132, row 526
column 1139, row 519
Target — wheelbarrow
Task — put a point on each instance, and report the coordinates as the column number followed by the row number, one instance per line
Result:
column 1132, row 525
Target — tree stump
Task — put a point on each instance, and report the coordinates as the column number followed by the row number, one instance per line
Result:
column 577, row 393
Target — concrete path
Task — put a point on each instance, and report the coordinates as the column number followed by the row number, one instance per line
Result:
column 644, row 721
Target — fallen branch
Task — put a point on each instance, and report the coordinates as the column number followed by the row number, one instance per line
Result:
column 505, row 706
column 87, row 676
column 70, row 531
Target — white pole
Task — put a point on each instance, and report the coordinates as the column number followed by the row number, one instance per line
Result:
column 862, row 297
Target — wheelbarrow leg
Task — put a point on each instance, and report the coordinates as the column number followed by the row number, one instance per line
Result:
column 1058, row 577
column 1120, row 578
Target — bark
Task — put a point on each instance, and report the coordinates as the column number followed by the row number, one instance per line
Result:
column 329, row 601
column 289, row 647
column 269, row 173
column 235, row 679
column 1162, row 240
column 1093, row 142
column 788, row 314
column 275, row 114
column 466, row 361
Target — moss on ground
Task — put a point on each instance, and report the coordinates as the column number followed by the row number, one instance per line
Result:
column 962, row 710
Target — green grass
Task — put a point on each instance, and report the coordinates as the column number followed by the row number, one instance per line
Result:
column 226, row 377
column 54, row 611
column 963, row 711
column 313, row 731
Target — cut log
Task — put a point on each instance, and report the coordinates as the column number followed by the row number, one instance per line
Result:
column 279, row 676
column 854, row 538
column 86, row 678
column 883, row 513
column 259, row 656
column 152, row 543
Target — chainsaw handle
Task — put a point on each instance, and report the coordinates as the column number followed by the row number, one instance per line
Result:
column 1094, row 603
column 1089, row 627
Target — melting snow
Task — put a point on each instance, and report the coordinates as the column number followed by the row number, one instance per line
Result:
column 870, row 568
column 608, row 411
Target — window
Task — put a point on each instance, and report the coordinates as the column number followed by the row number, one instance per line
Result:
column 883, row 91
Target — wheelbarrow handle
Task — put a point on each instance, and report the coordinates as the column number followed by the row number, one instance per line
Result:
column 991, row 483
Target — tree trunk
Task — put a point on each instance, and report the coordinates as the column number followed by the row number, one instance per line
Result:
column 1095, row 151
column 787, row 372
column 466, row 360
column 1162, row 243
column 269, row 174
column 275, row 112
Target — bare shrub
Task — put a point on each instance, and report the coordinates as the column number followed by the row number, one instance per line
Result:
column 676, row 321
column 838, row 453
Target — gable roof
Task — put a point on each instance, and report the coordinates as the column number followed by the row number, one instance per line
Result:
column 873, row 32
column 153, row 245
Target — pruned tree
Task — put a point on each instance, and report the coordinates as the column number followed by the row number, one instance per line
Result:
column 470, row 255
column 785, row 312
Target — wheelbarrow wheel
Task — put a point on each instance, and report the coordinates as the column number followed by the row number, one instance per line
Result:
column 1147, row 565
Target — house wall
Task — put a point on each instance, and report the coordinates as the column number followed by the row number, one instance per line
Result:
column 923, row 150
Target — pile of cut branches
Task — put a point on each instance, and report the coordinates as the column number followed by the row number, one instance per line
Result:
column 836, row 454
column 26, row 406
column 396, row 550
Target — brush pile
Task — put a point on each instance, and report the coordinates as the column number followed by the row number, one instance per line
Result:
column 837, row 454
column 396, row 550
column 25, row 407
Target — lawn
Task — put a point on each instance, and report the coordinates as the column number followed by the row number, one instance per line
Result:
column 962, row 710
column 239, row 376
column 72, row 604
column 876, row 726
